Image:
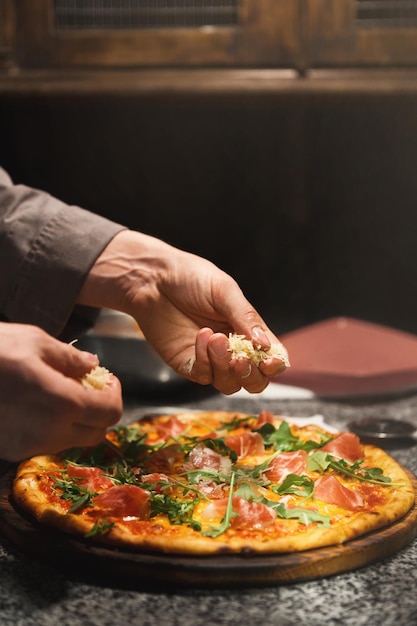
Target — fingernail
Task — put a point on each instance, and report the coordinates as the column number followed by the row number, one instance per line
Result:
column 92, row 358
column 249, row 372
column 259, row 336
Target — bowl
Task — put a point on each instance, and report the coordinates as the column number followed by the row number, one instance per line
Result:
column 122, row 349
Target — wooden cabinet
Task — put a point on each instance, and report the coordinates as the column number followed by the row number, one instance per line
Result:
column 297, row 34
column 154, row 33
column 362, row 33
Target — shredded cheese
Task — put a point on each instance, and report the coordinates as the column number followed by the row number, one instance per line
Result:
column 96, row 379
column 187, row 368
column 241, row 347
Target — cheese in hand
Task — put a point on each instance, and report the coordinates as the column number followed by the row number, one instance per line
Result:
column 96, row 379
column 241, row 347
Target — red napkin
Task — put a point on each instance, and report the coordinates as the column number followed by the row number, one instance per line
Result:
column 345, row 356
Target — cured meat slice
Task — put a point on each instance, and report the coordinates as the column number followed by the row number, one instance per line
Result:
column 247, row 515
column 329, row 489
column 246, row 444
column 91, row 478
column 287, row 463
column 205, row 458
column 124, row 501
column 345, row 446
column 170, row 429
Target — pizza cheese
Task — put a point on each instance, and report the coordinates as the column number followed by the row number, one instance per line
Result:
column 216, row 482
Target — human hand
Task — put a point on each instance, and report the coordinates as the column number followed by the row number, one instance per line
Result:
column 43, row 406
column 186, row 308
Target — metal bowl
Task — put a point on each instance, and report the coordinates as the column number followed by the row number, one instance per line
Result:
column 120, row 346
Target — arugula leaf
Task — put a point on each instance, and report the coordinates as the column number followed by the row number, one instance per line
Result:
column 254, row 473
column 305, row 516
column 193, row 476
column 79, row 496
column 88, row 457
column 163, row 485
column 237, row 423
column 320, row 461
column 225, row 523
column 280, row 438
column 246, row 491
column 218, row 445
column 132, row 442
column 177, row 511
column 297, row 485
column 100, row 527
column 122, row 473
column 128, row 434
column 283, row 440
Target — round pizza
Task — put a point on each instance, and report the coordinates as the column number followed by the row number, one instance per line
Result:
column 217, row 482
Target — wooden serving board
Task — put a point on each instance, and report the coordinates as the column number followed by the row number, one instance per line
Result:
column 81, row 560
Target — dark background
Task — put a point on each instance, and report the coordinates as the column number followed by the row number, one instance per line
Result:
column 308, row 199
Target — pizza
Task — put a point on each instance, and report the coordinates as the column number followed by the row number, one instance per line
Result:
column 216, row 482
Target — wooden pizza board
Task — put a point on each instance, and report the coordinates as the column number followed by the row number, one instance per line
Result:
column 82, row 561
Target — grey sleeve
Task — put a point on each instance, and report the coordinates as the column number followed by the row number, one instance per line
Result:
column 46, row 250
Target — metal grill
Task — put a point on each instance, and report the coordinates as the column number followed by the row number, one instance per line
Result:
column 386, row 13
column 144, row 14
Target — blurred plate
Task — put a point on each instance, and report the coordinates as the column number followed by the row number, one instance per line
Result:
column 349, row 357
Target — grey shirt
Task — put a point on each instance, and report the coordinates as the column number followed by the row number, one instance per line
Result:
column 46, row 250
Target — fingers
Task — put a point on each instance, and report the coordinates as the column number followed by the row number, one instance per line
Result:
column 198, row 367
column 215, row 364
column 93, row 408
column 224, row 378
column 86, row 411
column 69, row 405
column 43, row 405
column 25, row 341
column 230, row 375
column 81, row 419
column 45, row 423
column 245, row 320
column 68, row 360
column 57, row 376
column 101, row 407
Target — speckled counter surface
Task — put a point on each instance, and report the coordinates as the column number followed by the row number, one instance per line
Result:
column 33, row 593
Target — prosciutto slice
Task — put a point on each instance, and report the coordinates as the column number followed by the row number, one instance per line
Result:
column 287, row 463
column 246, row 444
column 247, row 514
column 329, row 489
column 345, row 446
column 90, row 478
column 170, row 429
column 125, row 501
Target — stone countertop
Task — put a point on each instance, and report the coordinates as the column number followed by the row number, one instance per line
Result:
column 33, row 593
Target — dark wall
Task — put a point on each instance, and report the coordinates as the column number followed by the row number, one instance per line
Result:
column 309, row 200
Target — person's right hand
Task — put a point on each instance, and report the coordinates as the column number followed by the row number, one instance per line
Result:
column 43, row 406
column 186, row 308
